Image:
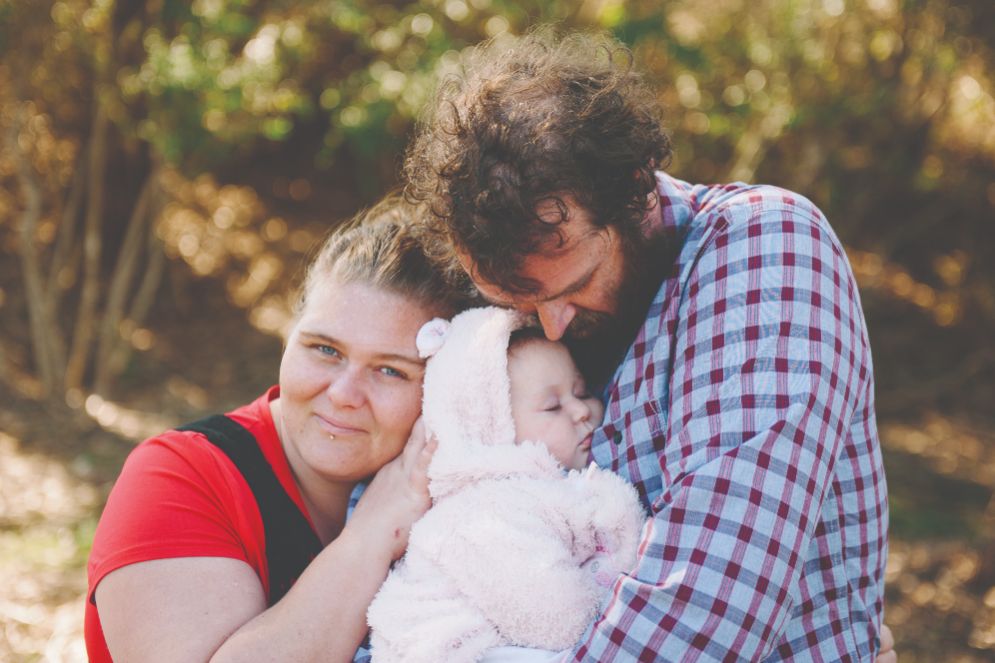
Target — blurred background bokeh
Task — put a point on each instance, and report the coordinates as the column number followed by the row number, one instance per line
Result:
column 166, row 165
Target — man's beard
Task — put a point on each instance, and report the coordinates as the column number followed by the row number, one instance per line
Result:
column 597, row 340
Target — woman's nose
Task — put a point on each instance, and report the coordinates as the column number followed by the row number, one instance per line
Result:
column 346, row 388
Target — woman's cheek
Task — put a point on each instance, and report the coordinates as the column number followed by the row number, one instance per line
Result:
column 401, row 409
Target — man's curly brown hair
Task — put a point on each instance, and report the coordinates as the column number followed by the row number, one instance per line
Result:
column 533, row 118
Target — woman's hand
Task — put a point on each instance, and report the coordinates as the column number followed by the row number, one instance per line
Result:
column 397, row 496
column 887, row 653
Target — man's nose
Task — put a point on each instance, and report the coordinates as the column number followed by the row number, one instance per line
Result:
column 555, row 317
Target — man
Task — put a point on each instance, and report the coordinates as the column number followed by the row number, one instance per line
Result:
column 741, row 398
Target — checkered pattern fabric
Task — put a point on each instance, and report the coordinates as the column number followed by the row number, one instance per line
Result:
column 744, row 415
column 362, row 654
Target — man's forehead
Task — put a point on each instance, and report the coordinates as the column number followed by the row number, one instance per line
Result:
column 492, row 292
column 551, row 246
column 535, row 270
column 562, row 239
column 498, row 297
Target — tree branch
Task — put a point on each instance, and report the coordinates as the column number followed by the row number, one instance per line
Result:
column 38, row 310
column 22, row 382
column 83, row 331
column 131, row 249
column 66, row 238
column 142, row 302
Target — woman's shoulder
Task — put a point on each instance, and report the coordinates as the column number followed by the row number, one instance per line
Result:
column 178, row 495
column 175, row 470
column 188, row 450
column 256, row 416
column 171, row 455
column 179, row 472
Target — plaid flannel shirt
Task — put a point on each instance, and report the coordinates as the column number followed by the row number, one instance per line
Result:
column 744, row 415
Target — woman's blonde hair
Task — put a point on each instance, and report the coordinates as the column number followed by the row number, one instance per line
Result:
column 383, row 247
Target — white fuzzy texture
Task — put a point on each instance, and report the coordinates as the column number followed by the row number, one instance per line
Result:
column 504, row 556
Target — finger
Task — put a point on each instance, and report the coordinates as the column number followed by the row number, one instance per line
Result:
column 887, row 639
column 416, row 442
column 888, row 657
column 425, row 456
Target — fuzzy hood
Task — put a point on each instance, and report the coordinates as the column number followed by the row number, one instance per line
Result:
column 466, row 404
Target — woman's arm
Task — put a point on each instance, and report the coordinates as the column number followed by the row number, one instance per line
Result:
column 213, row 609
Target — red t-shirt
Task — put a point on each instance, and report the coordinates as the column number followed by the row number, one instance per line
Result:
column 180, row 496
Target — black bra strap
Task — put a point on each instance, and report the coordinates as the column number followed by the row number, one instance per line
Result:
column 291, row 544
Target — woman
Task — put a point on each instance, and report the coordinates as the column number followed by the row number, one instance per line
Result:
column 183, row 567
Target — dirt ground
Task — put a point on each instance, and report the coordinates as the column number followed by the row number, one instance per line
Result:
column 57, row 467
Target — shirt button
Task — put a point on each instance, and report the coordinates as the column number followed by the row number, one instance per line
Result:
column 617, row 437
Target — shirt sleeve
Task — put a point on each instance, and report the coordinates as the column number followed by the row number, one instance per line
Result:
column 175, row 497
column 364, row 653
column 769, row 357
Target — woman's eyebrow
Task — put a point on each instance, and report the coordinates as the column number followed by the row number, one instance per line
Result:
column 407, row 359
column 319, row 336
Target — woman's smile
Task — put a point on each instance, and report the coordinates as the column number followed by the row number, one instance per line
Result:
column 337, row 427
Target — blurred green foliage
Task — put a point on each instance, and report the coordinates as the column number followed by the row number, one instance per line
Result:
column 818, row 95
column 882, row 111
column 789, row 88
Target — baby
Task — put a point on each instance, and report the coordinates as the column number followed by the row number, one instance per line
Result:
column 550, row 403
column 521, row 543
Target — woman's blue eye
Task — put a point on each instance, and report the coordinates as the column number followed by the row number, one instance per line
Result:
column 327, row 350
column 392, row 372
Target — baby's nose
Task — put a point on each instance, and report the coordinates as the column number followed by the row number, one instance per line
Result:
column 581, row 410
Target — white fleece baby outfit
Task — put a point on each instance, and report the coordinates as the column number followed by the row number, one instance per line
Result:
column 507, row 553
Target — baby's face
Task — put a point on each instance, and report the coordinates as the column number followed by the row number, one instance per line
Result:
column 550, row 403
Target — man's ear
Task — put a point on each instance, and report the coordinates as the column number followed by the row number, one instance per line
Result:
column 466, row 262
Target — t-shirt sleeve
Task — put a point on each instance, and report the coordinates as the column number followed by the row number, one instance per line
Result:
column 177, row 496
